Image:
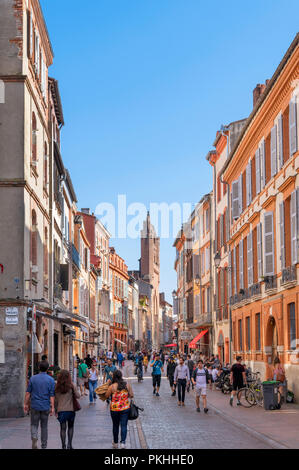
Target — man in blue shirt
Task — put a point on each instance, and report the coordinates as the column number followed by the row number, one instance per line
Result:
column 120, row 359
column 41, row 393
column 157, row 366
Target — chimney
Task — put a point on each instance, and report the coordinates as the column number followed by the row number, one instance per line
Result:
column 258, row 91
column 85, row 211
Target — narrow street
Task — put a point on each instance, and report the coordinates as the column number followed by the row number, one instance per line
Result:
column 162, row 425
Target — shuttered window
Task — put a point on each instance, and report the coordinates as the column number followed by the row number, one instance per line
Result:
column 195, row 265
column 221, row 230
column 248, row 334
column 263, row 163
column 258, row 331
column 240, row 195
column 293, row 126
column 240, row 336
column 259, row 250
column 207, row 258
column 230, row 274
column 248, row 184
column 257, row 171
column 241, row 265
column 280, row 142
column 221, row 287
column 282, row 237
column 235, row 200
column 273, row 151
column 268, row 244
column 292, row 325
column 250, row 259
column 235, row 271
column 202, row 263
column 294, row 226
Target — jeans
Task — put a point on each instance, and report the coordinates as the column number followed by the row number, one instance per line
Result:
column 120, row 363
column 42, row 417
column 181, row 389
column 141, row 371
column 120, row 418
column 92, row 386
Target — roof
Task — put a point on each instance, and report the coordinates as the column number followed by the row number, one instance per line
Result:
column 57, row 100
column 262, row 98
column 70, row 185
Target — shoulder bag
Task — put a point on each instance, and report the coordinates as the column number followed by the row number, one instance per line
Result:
column 134, row 411
column 76, row 404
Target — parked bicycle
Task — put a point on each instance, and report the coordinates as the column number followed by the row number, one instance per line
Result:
column 252, row 394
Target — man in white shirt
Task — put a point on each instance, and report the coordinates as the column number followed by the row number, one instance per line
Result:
column 200, row 379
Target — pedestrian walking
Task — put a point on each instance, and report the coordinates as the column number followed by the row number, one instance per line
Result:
column 41, row 394
column 82, row 377
column 65, row 391
column 120, row 393
column 120, row 359
column 237, row 379
column 190, row 365
column 200, row 379
column 114, row 358
column 145, row 363
column 181, row 378
column 279, row 375
column 171, row 365
column 93, row 383
column 157, row 366
column 88, row 361
column 214, row 377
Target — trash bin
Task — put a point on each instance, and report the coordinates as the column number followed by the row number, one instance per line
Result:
column 270, row 392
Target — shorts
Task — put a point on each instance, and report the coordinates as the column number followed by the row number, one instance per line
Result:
column 82, row 380
column 237, row 385
column 171, row 380
column 156, row 380
column 201, row 391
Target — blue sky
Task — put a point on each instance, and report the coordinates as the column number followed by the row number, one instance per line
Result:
column 145, row 84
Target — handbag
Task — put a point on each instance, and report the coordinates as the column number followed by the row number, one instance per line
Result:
column 134, row 411
column 76, row 404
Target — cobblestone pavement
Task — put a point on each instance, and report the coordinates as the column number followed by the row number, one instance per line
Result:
column 93, row 430
column 165, row 425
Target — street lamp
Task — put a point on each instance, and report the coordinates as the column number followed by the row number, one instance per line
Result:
column 217, row 260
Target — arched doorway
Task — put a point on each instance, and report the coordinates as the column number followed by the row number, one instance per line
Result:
column 272, row 338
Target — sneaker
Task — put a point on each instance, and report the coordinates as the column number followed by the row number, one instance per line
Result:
column 239, row 403
column 206, row 410
column 173, row 394
column 34, row 443
column 122, row 445
column 231, row 401
column 114, row 445
column 198, row 409
column 154, row 391
column 157, row 394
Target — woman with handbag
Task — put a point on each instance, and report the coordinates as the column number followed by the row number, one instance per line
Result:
column 120, row 393
column 66, row 404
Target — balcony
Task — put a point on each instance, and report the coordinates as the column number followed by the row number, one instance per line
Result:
column 255, row 289
column 219, row 314
column 289, row 276
column 205, row 319
column 75, row 256
column 270, row 283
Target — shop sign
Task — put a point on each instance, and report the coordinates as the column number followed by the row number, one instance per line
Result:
column 11, row 320
column 12, row 311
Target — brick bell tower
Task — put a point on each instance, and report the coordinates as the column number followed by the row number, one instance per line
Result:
column 150, row 272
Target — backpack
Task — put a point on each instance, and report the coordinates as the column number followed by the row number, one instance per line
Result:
column 207, row 374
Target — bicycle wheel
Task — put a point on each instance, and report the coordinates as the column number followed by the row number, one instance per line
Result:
column 246, row 397
column 259, row 397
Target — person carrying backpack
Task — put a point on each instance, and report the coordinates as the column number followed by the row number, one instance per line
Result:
column 200, row 379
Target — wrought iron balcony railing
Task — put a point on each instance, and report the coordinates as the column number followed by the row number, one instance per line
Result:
column 289, row 274
column 270, row 282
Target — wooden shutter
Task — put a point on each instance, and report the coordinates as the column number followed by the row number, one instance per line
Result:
column 293, row 126
column 229, row 274
column 235, row 199
column 258, row 171
column 241, row 265
column 195, row 266
column 227, row 226
column 221, row 230
column 282, row 238
column 263, row 163
column 240, row 194
column 250, row 259
column 207, row 259
column 269, row 243
column 235, row 271
column 248, row 184
column 280, row 142
column 259, row 250
column 293, row 214
column 273, row 151
column 221, row 287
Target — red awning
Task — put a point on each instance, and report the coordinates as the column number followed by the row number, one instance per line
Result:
column 174, row 345
column 197, row 338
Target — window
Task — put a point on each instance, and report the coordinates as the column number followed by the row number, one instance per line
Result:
column 293, row 126
column 218, row 189
column 46, row 166
column 240, row 335
column 268, row 244
column 248, row 333
column 34, row 244
column 46, row 256
column 292, row 325
column 33, row 140
column 207, row 220
column 258, row 331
